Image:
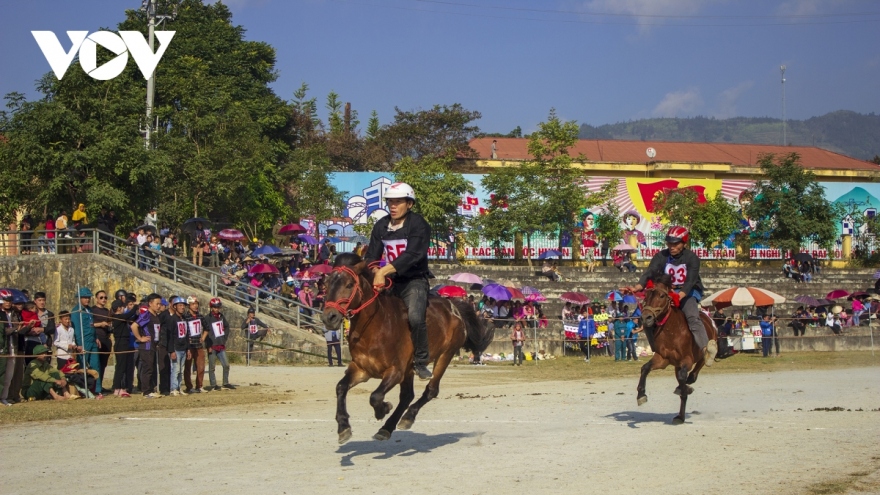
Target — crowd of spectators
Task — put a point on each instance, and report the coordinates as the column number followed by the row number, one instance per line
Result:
column 158, row 344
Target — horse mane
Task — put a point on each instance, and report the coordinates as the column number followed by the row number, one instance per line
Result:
column 347, row 259
column 659, row 277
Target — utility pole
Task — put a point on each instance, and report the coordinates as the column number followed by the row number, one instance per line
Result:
column 781, row 71
column 149, row 7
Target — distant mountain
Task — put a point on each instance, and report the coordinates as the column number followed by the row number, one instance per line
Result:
column 850, row 133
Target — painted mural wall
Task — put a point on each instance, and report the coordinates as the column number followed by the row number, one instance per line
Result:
column 643, row 227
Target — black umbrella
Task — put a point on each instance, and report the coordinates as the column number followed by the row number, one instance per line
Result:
column 802, row 257
column 192, row 225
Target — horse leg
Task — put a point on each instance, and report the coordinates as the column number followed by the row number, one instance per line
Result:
column 431, row 391
column 407, row 394
column 352, row 377
column 681, row 373
column 692, row 377
column 656, row 362
column 377, row 399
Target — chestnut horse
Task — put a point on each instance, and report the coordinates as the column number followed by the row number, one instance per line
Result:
column 673, row 343
column 381, row 347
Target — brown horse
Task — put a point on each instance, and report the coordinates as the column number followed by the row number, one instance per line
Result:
column 672, row 342
column 381, row 347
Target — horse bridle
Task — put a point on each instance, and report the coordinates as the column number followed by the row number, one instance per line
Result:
column 342, row 305
column 667, row 310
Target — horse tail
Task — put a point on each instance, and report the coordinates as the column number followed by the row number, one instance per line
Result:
column 479, row 333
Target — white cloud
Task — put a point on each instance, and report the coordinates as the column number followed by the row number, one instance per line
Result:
column 647, row 8
column 801, row 7
column 727, row 99
column 678, row 104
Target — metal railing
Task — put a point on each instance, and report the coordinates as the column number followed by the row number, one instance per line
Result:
column 175, row 268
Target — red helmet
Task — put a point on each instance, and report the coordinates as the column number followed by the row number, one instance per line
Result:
column 678, row 234
column 215, row 303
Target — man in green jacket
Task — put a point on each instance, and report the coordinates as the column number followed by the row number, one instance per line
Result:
column 84, row 335
column 41, row 380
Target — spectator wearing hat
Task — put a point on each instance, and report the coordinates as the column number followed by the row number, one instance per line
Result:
column 123, row 375
column 196, row 334
column 146, row 334
column 174, row 334
column 64, row 343
column 253, row 330
column 42, row 380
column 217, row 329
column 86, row 338
column 164, row 350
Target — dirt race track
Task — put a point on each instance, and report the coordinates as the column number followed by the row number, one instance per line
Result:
column 746, row 433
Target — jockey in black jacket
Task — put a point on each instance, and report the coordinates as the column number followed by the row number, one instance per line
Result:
column 403, row 237
column 683, row 266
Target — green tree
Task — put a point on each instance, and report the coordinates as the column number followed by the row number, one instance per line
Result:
column 608, row 226
column 440, row 131
column 334, row 113
column 790, row 206
column 373, row 126
column 709, row 223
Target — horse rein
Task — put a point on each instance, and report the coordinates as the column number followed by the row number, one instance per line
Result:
column 342, row 305
column 667, row 310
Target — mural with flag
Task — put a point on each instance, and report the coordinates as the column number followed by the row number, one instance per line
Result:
column 643, row 227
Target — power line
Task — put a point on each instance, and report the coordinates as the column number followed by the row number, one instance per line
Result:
column 863, row 19
column 653, row 16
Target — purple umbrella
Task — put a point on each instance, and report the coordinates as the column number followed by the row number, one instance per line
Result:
column 497, row 292
column 308, row 239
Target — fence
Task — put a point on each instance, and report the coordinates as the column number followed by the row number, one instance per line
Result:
column 653, row 243
column 175, row 268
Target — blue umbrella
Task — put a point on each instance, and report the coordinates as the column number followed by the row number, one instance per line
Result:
column 308, row 239
column 629, row 299
column 267, row 250
column 17, row 295
column 497, row 292
column 550, row 253
column 334, row 240
column 614, row 296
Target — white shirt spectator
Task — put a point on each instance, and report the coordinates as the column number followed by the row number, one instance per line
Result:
column 151, row 219
column 63, row 340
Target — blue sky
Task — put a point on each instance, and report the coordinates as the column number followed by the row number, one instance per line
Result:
column 595, row 61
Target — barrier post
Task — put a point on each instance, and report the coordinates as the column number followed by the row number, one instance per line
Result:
column 174, row 268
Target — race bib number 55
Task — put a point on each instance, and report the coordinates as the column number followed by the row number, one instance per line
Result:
column 678, row 273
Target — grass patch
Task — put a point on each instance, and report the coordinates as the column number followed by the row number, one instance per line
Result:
column 49, row 410
column 853, row 482
column 574, row 368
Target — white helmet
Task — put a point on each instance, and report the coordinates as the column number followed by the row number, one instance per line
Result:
column 400, row 190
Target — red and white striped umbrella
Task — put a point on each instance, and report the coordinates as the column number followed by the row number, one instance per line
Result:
column 231, row 235
column 743, row 296
column 575, row 298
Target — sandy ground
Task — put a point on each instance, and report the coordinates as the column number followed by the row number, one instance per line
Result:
column 747, row 433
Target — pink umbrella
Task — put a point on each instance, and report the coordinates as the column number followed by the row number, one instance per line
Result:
column 575, row 298
column 536, row 297
column 292, row 228
column 262, row 268
column 837, row 294
column 322, row 269
column 624, row 248
column 467, row 278
column 231, row 235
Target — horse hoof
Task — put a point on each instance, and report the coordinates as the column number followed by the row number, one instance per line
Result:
column 344, row 436
column 641, row 400
column 678, row 420
column 405, row 424
column 677, row 391
column 382, row 435
column 690, row 390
